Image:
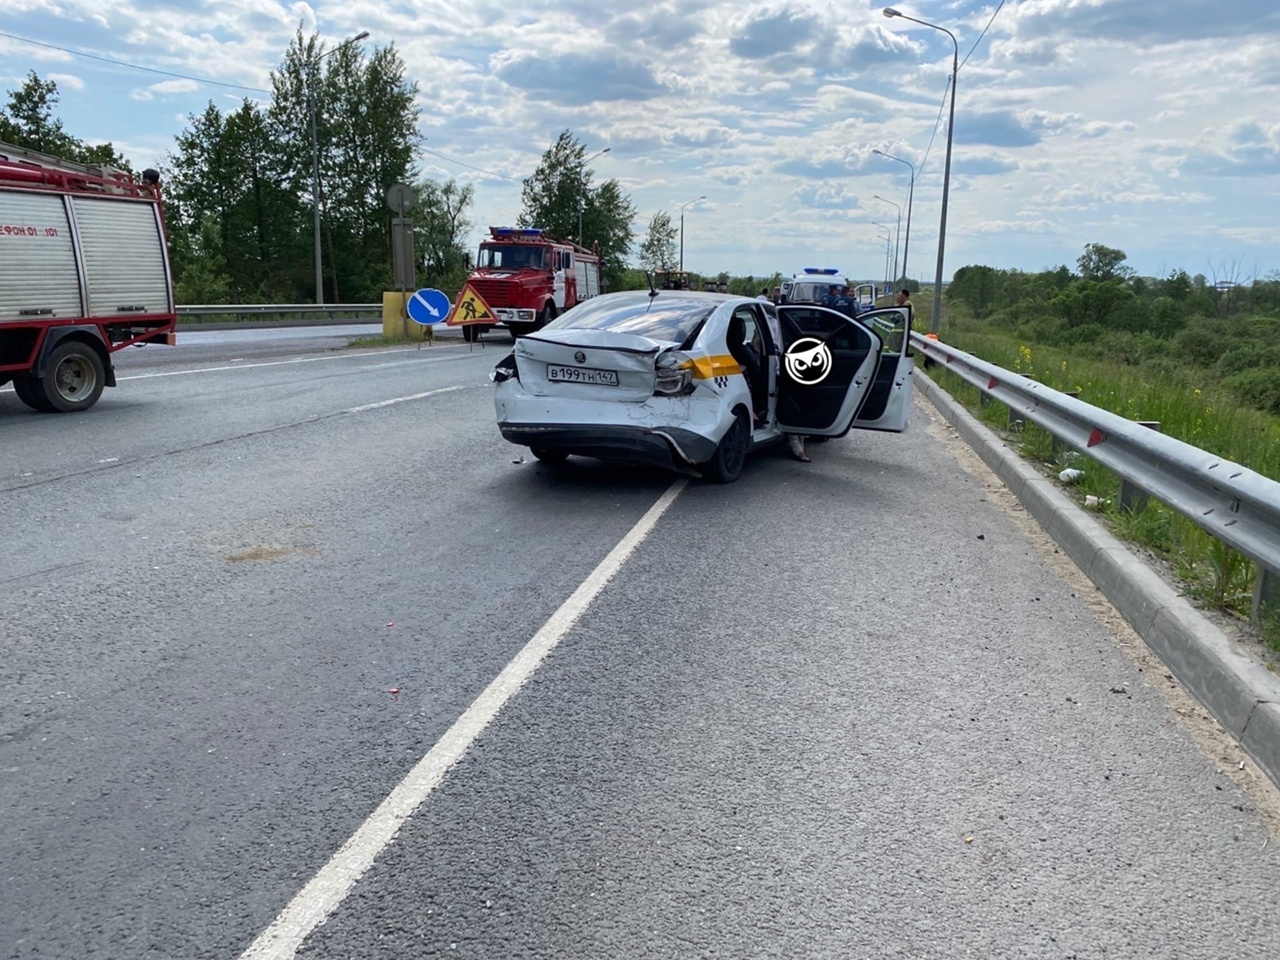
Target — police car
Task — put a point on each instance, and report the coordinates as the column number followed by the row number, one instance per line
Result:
column 693, row 382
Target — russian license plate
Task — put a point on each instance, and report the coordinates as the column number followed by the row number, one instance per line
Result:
column 603, row 378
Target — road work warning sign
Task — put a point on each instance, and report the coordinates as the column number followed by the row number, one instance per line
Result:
column 470, row 308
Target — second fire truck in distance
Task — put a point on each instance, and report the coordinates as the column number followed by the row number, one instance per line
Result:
column 528, row 278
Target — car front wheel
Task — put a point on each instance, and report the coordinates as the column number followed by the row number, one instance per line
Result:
column 731, row 454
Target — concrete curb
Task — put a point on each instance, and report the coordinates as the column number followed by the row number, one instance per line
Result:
column 1243, row 696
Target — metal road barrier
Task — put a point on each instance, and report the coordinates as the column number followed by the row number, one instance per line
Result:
column 1232, row 503
column 212, row 313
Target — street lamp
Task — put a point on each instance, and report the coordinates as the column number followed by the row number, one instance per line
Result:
column 315, row 162
column 897, row 234
column 911, row 193
column 682, row 206
column 946, row 175
column 888, row 246
column 582, row 200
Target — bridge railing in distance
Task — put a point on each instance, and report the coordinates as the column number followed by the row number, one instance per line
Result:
column 1232, row 503
column 240, row 312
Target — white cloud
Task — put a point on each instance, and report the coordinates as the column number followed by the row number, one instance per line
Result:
column 67, row 81
column 1076, row 120
column 165, row 88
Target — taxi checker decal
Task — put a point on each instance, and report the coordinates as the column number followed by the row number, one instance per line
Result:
column 808, row 361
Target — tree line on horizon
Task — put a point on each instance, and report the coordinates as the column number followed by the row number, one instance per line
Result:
column 238, row 184
column 1224, row 327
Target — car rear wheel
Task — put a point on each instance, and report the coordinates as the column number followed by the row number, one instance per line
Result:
column 731, row 454
column 549, row 455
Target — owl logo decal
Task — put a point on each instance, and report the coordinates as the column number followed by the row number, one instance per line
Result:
column 808, row 361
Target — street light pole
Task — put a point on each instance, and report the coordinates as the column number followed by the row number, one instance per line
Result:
column 897, row 235
column 911, row 194
column 682, row 206
column 582, row 200
column 946, row 173
column 315, row 162
column 888, row 245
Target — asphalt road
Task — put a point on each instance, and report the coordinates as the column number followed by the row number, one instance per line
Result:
column 843, row 709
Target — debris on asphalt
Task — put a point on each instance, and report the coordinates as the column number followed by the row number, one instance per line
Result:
column 391, row 623
column 1119, row 690
column 982, row 536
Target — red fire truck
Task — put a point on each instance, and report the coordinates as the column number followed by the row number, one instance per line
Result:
column 84, row 272
column 528, row 278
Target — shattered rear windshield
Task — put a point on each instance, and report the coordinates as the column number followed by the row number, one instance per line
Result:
column 663, row 319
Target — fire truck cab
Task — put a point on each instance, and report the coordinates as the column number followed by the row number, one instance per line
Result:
column 528, row 278
column 84, row 272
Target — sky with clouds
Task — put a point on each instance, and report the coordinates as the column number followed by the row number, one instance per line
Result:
column 1151, row 127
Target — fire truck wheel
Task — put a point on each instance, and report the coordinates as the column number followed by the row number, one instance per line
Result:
column 24, row 387
column 546, row 316
column 73, row 378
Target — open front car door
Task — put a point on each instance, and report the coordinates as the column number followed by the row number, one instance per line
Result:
column 829, row 365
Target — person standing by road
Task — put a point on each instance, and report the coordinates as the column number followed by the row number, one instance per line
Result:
column 843, row 302
column 903, row 299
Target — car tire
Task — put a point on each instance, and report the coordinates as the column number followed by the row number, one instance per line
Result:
column 731, row 453
column 549, row 454
column 74, row 376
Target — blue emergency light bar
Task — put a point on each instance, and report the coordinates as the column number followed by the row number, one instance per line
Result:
column 527, row 232
column 825, row 271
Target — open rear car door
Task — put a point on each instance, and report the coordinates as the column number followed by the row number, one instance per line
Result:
column 888, row 404
column 829, row 365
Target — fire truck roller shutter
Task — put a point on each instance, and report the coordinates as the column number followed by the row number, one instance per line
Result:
column 124, row 259
column 581, row 272
column 37, row 265
column 593, row 279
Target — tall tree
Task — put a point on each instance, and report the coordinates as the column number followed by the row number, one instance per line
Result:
column 366, row 133
column 28, row 120
column 441, row 228
column 1102, row 263
column 658, row 251
column 229, row 205
column 559, row 196
column 552, row 196
column 607, row 226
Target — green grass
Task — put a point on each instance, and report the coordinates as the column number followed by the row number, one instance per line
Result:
column 381, row 341
column 1211, row 572
column 1195, row 412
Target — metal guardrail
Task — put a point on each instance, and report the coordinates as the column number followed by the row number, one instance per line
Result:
column 281, row 310
column 1232, row 503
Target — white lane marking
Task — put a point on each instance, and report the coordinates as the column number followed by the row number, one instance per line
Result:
column 413, row 396
column 271, row 363
column 328, row 888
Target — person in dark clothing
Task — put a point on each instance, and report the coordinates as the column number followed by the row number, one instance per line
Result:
column 843, row 302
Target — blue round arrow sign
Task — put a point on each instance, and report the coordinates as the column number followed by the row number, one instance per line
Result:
column 429, row 306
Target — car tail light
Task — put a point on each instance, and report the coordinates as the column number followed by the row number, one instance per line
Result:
column 673, row 375
column 505, row 370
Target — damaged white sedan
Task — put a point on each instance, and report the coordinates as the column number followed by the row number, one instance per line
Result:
column 694, row 382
